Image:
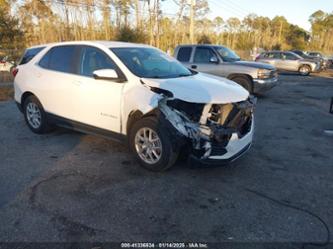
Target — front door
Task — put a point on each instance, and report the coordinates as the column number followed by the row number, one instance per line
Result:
column 99, row 100
column 205, row 60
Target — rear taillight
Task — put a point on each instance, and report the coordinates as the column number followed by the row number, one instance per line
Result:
column 14, row 72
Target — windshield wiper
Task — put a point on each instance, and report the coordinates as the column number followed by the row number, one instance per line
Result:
column 184, row 75
column 156, row 77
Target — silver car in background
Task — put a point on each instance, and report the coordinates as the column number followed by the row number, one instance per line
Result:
column 289, row 61
column 221, row 61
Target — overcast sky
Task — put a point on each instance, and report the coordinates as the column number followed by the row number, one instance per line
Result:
column 296, row 11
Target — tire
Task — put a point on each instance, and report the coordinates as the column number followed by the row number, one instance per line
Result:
column 166, row 155
column 244, row 82
column 304, row 70
column 35, row 116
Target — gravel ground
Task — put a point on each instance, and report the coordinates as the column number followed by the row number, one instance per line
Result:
column 70, row 187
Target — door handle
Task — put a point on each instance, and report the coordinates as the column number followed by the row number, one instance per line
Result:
column 194, row 66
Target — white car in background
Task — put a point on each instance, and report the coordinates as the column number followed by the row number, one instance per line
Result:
column 137, row 94
column 6, row 65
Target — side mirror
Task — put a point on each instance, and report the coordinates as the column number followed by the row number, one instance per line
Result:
column 105, row 74
column 214, row 60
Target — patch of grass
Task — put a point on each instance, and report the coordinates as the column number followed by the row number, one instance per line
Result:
column 6, row 93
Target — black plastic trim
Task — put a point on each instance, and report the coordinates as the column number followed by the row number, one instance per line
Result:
column 215, row 162
column 84, row 128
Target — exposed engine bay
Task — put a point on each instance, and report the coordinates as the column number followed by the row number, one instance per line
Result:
column 209, row 126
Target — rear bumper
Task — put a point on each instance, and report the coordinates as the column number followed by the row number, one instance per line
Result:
column 263, row 85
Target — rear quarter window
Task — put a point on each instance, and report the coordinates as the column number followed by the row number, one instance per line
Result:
column 184, row 54
column 29, row 54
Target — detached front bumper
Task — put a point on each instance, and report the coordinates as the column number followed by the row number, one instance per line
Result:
column 235, row 149
column 212, row 133
column 263, row 85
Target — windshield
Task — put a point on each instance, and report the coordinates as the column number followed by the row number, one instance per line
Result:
column 150, row 63
column 227, row 54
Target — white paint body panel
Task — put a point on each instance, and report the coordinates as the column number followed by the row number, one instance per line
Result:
column 107, row 105
column 235, row 144
column 202, row 88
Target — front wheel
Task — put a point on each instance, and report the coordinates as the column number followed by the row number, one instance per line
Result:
column 304, row 70
column 244, row 82
column 152, row 145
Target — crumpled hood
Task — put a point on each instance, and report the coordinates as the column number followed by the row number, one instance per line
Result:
column 255, row 65
column 201, row 88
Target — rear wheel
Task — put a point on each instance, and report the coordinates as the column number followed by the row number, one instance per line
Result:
column 35, row 115
column 244, row 82
column 151, row 145
column 304, row 70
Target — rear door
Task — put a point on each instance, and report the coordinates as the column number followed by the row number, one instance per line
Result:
column 56, row 86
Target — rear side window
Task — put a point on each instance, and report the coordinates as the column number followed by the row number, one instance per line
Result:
column 29, row 54
column 60, row 59
column 274, row 55
column 184, row 54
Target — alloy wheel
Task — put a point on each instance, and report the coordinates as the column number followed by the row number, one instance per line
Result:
column 148, row 145
column 34, row 115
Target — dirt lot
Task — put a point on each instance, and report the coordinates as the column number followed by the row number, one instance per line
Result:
column 66, row 186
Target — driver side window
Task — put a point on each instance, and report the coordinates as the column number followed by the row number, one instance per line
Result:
column 204, row 55
column 93, row 59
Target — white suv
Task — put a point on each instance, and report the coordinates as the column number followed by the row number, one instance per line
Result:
column 137, row 94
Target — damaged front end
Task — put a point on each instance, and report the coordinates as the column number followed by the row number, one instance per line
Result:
column 209, row 128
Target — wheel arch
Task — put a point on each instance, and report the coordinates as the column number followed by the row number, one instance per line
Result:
column 136, row 115
column 240, row 75
column 24, row 96
column 236, row 75
column 305, row 64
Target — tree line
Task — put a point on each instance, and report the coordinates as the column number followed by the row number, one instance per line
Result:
column 30, row 22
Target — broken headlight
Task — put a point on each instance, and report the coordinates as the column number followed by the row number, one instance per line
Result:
column 231, row 118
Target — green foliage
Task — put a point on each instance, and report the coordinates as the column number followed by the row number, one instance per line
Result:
column 297, row 37
column 204, row 39
column 42, row 21
column 277, row 46
column 10, row 33
column 128, row 34
column 322, row 31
